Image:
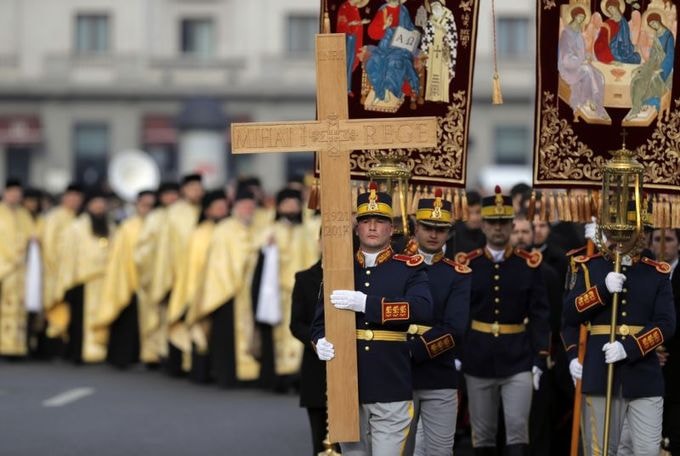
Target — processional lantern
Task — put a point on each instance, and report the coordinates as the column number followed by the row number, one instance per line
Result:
column 621, row 216
column 392, row 172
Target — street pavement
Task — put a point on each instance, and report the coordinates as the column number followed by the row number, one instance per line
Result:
column 58, row 409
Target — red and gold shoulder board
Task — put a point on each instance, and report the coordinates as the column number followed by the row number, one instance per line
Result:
column 586, row 258
column 410, row 260
column 661, row 266
column 573, row 252
column 459, row 268
column 464, row 258
column 533, row 258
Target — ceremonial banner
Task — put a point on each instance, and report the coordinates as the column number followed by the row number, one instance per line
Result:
column 604, row 66
column 411, row 58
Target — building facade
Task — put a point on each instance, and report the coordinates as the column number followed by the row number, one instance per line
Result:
column 83, row 80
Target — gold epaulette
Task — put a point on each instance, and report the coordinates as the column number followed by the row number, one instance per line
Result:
column 573, row 252
column 661, row 266
column 410, row 260
column 533, row 258
column 464, row 258
column 459, row 268
column 586, row 258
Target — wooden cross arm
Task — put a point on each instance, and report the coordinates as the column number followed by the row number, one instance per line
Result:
column 334, row 134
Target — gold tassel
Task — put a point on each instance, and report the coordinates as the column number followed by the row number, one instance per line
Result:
column 313, row 202
column 551, row 212
column 531, row 211
column 464, row 209
column 326, row 18
column 457, row 215
column 416, row 200
column 573, row 203
column 496, row 94
column 587, row 211
column 544, row 206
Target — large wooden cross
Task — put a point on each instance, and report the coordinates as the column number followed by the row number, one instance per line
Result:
column 334, row 137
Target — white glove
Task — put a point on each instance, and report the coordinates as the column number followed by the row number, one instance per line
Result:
column 324, row 350
column 536, row 372
column 459, row 365
column 576, row 370
column 614, row 282
column 614, row 352
column 349, row 300
column 590, row 230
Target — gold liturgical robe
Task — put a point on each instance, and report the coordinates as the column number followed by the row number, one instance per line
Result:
column 297, row 251
column 55, row 223
column 16, row 227
column 192, row 273
column 83, row 259
column 153, row 335
column 121, row 280
column 228, row 276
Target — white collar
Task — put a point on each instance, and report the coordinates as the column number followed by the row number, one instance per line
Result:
column 496, row 255
column 370, row 259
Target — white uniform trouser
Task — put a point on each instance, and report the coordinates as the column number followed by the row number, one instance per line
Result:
column 434, row 423
column 383, row 429
column 644, row 418
column 484, row 395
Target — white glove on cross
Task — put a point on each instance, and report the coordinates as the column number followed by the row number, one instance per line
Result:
column 614, row 352
column 576, row 370
column 324, row 350
column 614, row 282
column 349, row 300
column 536, row 372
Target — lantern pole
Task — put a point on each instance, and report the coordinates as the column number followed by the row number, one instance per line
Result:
column 619, row 174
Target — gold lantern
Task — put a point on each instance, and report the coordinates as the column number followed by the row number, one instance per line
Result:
column 393, row 173
column 621, row 215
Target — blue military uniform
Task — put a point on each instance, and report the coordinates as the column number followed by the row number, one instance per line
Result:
column 646, row 318
column 508, row 339
column 509, row 314
column 398, row 295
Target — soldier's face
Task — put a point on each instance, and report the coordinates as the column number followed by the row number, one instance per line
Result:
column 431, row 239
column 374, row 233
column 541, row 231
column 497, row 232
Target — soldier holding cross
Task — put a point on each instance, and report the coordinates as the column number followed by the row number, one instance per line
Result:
column 391, row 293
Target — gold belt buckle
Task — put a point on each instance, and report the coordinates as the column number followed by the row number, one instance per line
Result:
column 624, row 330
column 369, row 334
column 495, row 329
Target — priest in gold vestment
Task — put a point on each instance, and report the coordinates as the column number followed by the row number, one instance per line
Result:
column 224, row 302
column 170, row 254
column 54, row 225
column 83, row 256
column 16, row 228
column 118, row 313
column 289, row 249
column 185, row 332
column 153, row 334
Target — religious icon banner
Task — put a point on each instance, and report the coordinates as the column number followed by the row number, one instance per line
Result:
column 605, row 66
column 411, row 58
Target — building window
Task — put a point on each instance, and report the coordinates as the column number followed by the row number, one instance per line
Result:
column 18, row 163
column 513, row 37
column 198, row 37
column 301, row 30
column 92, row 33
column 91, row 143
column 512, row 145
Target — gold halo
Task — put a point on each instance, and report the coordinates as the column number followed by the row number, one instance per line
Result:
column 566, row 17
column 622, row 7
column 646, row 14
